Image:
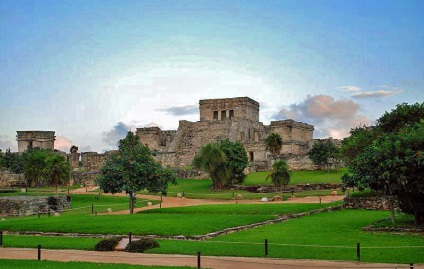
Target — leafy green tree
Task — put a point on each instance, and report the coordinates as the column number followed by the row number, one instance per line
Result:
column 133, row 169
column 403, row 116
column 280, row 174
column 392, row 164
column 57, row 170
column 273, row 143
column 34, row 160
column 323, row 153
column 212, row 160
column 73, row 149
column 14, row 162
column 359, row 139
column 236, row 160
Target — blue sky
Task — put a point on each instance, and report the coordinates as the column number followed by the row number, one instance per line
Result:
column 90, row 70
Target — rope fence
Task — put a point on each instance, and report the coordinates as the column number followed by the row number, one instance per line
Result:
column 197, row 259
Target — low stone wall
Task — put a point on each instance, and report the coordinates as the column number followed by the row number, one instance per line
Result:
column 86, row 179
column 30, row 205
column 373, row 203
column 189, row 173
column 258, row 166
column 9, row 179
column 300, row 163
column 193, row 237
column 295, row 188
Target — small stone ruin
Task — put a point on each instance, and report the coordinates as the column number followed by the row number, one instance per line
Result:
column 31, row 205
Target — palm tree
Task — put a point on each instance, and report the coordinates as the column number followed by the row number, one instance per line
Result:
column 273, row 143
column 212, row 160
column 73, row 149
column 57, row 169
column 280, row 174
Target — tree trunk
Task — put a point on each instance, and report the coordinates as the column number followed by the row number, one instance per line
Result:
column 131, row 203
column 392, row 209
column 419, row 218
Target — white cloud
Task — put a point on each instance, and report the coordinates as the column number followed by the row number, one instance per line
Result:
column 330, row 117
column 380, row 91
column 350, row 88
column 377, row 94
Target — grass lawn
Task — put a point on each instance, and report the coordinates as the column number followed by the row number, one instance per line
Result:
column 81, row 203
column 308, row 238
column 298, row 177
column 194, row 220
column 19, row 264
column 202, row 189
column 49, row 242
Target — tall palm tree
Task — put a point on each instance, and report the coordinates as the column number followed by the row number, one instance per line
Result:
column 212, row 160
column 273, row 143
column 280, row 174
column 57, row 170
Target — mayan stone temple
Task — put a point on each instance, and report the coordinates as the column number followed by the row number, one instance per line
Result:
column 32, row 139
column 234, row 118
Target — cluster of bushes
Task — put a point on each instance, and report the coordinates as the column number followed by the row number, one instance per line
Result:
column 8, row 191
column 137, row 246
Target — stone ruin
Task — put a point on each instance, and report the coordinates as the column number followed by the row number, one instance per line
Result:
column 234, row 118
column 31, row 205
column 32, row 139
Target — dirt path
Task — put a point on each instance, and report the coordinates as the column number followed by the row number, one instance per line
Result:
column 185, row 260
column 168, row 201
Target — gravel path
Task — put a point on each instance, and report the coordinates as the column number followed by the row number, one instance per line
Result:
column 185, row 260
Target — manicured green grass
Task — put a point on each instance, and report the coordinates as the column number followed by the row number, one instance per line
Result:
column 194, row 220
column 312, row 237
column 240, row 209
column 49, row 242
column 19, row 264
column 202, row 189
column 298, row 177
column 138, row 224
column 82, row 203
column 401, row 220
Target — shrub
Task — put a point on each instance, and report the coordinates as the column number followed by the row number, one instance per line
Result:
column 8, row 191
column 141, row 245
column 108, row 244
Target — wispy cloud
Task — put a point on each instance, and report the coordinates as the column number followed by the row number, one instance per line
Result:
column 379, row 91
column 377, row 94
column 180, row 110
column 329, row 116
column 350, row 88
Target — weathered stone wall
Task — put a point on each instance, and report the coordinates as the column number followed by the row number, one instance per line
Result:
column 30, row 205
column 86, row 179
column 241, row 107
column 190, row 173
column 32, row 139
column 178, row 148
column 93, row 161
column 296, row 136
column 9, row 179
column 374, row 203
column 300, row 163
column 73, row 159
column 295, row 188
